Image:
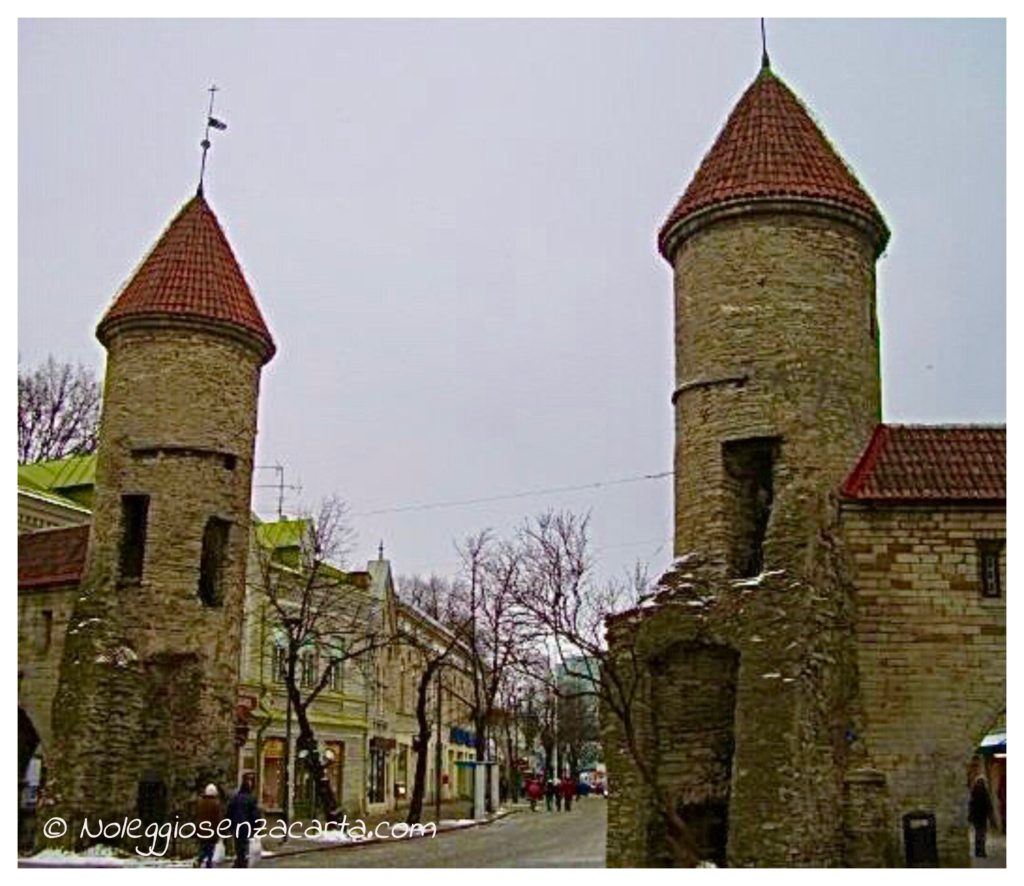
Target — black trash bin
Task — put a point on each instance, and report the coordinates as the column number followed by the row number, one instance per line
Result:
column 919, row 840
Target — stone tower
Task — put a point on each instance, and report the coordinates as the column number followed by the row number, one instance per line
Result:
column 777, row 390
column 746, row 652
column 145, row 709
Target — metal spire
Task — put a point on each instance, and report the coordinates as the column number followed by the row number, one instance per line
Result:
column 380, row 550
column 205, row 143
column 764, row 48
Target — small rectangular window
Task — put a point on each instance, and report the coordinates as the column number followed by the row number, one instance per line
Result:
column 280, row 664
column 749, row 467
column 335, row 683
column 211, row 562
column 134, row 514
column 46, row 637
column 308, row 665
column 989, row 554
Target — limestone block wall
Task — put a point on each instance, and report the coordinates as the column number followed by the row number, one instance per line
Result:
column 149, row 674
column 789, row 639
column 931, row 656
column 40, row 648
column 775, row 337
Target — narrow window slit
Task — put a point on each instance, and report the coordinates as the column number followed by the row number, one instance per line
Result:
column 749, row 467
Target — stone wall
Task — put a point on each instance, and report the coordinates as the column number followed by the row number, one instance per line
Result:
column 149, row 676
column 931, row 656
column 774, row 339
column 40, row 648
column 789, row 639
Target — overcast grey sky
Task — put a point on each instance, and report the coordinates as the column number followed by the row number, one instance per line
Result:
column 450, row 229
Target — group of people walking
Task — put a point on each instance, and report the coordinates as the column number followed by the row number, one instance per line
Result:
column 241, row 811
column 555, row 794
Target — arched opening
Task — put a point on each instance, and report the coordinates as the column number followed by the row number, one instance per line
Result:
column 30, row 777
column 985, row 784
column 693, row 712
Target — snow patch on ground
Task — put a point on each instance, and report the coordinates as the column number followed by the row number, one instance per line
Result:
column 98, row 857
column 336, row 836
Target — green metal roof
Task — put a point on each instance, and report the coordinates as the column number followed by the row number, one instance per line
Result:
column 281, row 533
column 70, row 478
column 52, row 497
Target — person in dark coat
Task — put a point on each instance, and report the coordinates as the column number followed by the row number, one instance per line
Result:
column 243, row 814
column 979, row 814
column 208, row 812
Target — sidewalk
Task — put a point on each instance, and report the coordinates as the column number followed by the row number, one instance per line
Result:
column 455, row 816
column 995, row 849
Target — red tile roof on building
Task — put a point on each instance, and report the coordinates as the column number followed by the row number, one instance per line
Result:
column 919, row 463
column 190, row 272
column 52, row 557
column 770, row 148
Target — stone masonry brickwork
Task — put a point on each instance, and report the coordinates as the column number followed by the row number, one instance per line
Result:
column 931, row 653
column 812, row 670
column 762, row 737
column 40, row 648
column 755, row 287
column 775, row 337
column 149, row 673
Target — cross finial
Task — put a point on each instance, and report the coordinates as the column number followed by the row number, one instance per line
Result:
column 764, row 48
column 205, row 143
column 380, row 550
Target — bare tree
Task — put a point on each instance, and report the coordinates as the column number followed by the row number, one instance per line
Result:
column 325, row 617
column 58, row 411
column 497, row 627
column 577, row 725
column 436, row 634
column 573, row 611
column 434, row 596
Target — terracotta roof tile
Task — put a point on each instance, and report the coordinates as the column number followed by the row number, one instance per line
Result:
column 931, row 463
column 52, row 557
column 770, row 148
column 190, row 272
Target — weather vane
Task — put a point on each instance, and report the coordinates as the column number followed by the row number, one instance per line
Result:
column 211, row 121
column 764, row 48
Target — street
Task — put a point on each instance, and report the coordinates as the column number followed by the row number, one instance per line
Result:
column 523, row 839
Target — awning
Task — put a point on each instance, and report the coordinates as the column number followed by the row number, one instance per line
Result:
column 993, row 743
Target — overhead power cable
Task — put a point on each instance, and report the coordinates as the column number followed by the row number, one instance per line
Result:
column 551, row 490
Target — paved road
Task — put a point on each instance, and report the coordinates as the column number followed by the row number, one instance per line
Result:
column 996, row 851
column 522, row 840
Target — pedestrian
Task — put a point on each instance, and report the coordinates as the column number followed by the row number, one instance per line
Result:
column 979, row 813
column 568, row 790
column 1001, row 794
column 534, row 792
column 243, row 813
column 208, row 817
column 549, row 793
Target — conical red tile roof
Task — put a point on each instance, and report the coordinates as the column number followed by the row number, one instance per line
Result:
column 771, row 148
column 191, row 272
